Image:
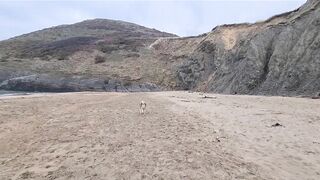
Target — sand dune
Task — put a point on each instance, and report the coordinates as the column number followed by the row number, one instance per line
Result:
column 182, row 136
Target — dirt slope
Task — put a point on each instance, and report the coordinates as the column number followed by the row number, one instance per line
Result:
column 102, row 136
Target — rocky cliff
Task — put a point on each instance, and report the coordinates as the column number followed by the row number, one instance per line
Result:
column 279, row 56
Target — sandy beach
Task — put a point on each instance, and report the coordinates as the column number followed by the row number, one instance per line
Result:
column 93, row 135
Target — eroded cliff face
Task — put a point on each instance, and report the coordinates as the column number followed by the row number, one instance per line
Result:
column 280, row 56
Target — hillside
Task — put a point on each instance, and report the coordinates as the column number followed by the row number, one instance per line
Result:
column 279, row 56
column 95, row 54
column 62, row 41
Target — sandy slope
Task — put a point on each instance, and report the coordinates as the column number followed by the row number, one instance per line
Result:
column 102, row 136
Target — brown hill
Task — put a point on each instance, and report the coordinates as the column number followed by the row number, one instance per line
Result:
column 91, row 55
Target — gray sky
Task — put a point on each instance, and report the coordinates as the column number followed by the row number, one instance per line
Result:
column 183, row 18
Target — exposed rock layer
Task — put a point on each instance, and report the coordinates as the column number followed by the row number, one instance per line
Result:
column 277, row 57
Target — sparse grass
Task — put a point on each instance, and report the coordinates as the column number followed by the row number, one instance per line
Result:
column 107, row 48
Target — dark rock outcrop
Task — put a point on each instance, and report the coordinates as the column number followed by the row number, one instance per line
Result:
column 49, row 83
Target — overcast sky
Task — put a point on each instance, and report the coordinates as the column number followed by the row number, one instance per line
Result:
column 183, row 18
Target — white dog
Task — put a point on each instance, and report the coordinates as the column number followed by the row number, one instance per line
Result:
column 143, row 107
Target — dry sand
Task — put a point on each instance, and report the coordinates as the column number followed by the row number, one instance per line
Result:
column 102, row 136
